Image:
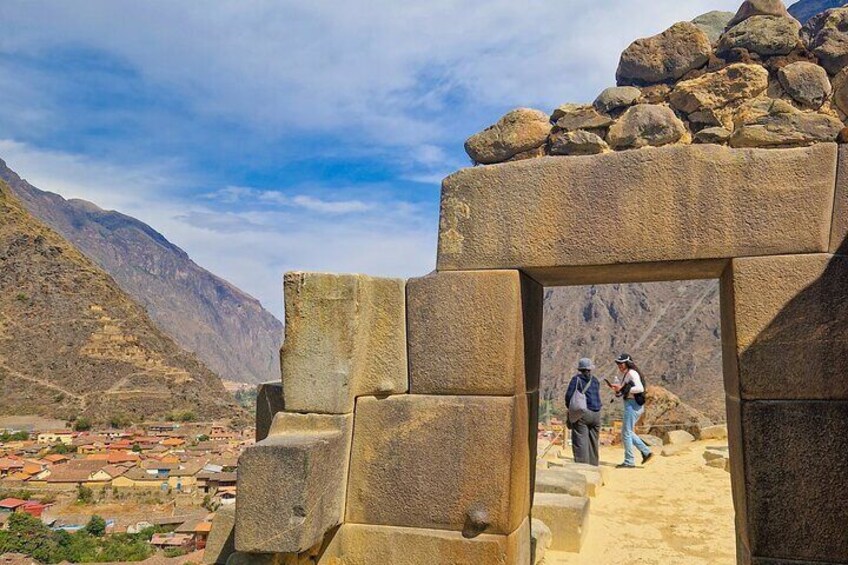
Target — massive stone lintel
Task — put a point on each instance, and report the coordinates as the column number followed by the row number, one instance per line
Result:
column 291, row 485
column 345, row 337
column 793, row 458
column 789, row 317
column 441, row 462
column 383, row 545
column 666, row 204
column 476, row 333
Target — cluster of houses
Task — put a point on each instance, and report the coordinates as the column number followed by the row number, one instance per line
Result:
column 164, row 457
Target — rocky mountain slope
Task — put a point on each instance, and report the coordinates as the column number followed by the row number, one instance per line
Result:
column 806, row 9
column 73, row 343
column 227, row 329
column 672, row 329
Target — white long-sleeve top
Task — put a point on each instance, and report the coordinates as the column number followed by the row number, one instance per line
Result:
column 633, row 377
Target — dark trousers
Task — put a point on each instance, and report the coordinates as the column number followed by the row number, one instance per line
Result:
column 585, row 438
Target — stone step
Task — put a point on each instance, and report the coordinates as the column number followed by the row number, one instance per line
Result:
column 561, row 481
column 567, row 517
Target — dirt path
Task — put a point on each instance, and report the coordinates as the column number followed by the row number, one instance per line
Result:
column 675, row 511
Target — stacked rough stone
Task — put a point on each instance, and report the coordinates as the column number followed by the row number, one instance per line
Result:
column 753, row 79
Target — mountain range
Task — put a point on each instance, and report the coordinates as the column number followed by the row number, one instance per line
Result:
column 73, row 344
column 225, row 327
column 806, row 9
column 672, row 330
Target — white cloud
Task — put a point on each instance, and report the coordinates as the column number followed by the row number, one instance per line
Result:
column 380, row 70
column 253, row 243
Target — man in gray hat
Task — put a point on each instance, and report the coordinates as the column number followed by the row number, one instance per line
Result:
column 583, row 400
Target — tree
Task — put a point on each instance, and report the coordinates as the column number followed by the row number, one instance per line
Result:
column 96, row 526
column 202, row 437
column 28, row 535
column 85, row 495
column 136, row 448
column 82, row 425
column 119, row 421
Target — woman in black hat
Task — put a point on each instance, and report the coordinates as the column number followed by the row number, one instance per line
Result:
column 632, row 391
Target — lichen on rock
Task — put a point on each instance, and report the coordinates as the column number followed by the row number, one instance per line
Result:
column 667, row 56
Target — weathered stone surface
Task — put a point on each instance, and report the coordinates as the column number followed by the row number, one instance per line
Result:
column 467, row 333
column 577, row 143
column 677, row 437
column 651, row 440
column 419, row 461
column 616, row 98
column 646, row 125
column 840, row 91
column 519, row 131
column 718, row 463
column 345, row 337
column 291, row 485
column 594, row 476
column 573, row 117
column 797, row 506
column 826, row 35
column 640, row 208
column 664, row 57
column 221, row 542
column 241, row 558
column 710, row 455
column 839, row 231
column 672, row 450
column 751, row 8
column 655, row 94
column 787, row 130
column 764, row 35
column 712, row 135
column 540, row 540
column 791, row 324
column 561, row 481
column 567, row 516
column 713, row 432
column 269, row 401
column 718, row 89
column 531, row 154
column 806, row 83
column 361, row 544
column 749, row 111
column 713, row 23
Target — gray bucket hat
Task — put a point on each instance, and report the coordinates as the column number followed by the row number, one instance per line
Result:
column 585, row 364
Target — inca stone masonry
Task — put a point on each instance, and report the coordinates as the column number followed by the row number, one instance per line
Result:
column 403, row 431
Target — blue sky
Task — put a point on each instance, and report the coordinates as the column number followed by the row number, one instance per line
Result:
column 264, row 136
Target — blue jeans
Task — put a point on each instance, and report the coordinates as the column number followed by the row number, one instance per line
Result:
column 632, row 412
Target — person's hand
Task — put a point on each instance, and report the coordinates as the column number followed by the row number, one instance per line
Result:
column 616, row 388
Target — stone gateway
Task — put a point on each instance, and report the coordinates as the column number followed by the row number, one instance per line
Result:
column 403, row 432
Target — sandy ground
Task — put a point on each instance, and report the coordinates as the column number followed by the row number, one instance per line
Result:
column 674, row 511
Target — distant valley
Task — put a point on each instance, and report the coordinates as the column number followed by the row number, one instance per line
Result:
column 226, row 328
column 73, row 344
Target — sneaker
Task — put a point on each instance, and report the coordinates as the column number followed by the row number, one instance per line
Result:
column 646, row 458
column 625, row 466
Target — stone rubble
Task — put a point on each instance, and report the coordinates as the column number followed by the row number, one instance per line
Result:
column 754, row 79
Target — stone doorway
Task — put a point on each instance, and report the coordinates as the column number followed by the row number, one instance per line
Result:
column 404, row 428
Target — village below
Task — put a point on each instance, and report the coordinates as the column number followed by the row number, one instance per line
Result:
column 74, row 492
